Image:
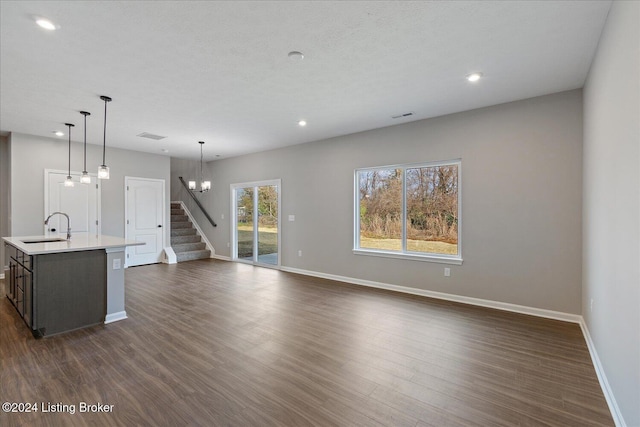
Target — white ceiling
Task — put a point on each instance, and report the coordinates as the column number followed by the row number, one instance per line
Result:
column 219, row 71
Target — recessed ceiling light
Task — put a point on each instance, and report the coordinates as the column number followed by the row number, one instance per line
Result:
column 58, row 133
column 296, row 56
column 474, row 77
column 46, row 24
column 302, row 123
column 164, row 150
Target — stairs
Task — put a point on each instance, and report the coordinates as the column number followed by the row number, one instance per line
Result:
column 185, row 241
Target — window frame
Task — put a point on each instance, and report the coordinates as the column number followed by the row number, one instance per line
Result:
column 404, row 253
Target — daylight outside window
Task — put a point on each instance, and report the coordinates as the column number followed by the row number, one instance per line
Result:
column 409, row 211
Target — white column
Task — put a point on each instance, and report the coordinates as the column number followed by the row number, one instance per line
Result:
column 115, row 285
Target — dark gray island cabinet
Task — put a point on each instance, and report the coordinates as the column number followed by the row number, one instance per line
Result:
column 59, row 286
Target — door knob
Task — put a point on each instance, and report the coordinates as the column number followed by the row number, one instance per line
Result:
column 159, row 226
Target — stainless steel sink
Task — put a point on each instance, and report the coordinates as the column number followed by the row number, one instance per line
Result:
column 48, row 240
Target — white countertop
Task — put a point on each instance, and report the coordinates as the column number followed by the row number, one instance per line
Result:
column 78, row 242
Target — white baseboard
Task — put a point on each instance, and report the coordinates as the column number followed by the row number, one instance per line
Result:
column 114, row 317
column 549, row 314
column 618, row 419
column 1, row 276
column 220, row 257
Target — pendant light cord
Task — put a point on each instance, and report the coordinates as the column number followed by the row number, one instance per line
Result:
column 104, row 133
column 201, row 166
column 85, row 143
column 104, row 130
column 69, row 174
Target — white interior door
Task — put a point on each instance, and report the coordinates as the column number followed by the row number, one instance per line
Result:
column 144, row 220
column 81, row 202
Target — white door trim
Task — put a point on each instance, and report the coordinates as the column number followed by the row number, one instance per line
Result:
column 126, row 211
column 74, row 174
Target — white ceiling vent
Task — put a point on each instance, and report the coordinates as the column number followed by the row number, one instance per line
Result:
column 150, row 136
column 399, row 116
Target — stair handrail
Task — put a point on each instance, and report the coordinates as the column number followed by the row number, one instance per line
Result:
column 193, row 196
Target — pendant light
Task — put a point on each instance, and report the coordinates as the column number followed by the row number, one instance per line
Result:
column 69, row 182
column 103, row 170
column 85, row 179
column 204, row 185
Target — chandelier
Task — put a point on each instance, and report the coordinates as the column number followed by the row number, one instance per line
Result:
column 204, row 185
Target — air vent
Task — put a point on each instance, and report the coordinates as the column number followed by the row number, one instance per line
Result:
column 399, row 116
column 150, row 136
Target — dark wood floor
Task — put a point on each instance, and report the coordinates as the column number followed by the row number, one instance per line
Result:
column 217, row 343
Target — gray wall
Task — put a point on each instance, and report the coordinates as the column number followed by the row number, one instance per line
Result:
column 611, row 210
column 4, row 193
column 31, row 155
column 521, row 200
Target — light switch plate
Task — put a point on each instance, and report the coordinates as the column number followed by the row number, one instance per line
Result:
column 117, row 264
column 292, row 217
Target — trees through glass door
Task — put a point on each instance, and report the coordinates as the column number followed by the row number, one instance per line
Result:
column 256, row 217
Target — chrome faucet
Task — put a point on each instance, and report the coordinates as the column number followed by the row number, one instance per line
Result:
column 46, row 222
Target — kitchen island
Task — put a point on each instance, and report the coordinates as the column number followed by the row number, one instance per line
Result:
column 58, row 285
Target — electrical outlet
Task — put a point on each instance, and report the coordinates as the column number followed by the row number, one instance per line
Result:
column 300, row 252
column 292, row 217
column 447, row 272
column 228, row 244
column 117, row 264
column 221, row 216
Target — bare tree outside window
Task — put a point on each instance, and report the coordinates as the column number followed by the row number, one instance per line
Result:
column 381, row 209
column 432, row 209
column 421, row 201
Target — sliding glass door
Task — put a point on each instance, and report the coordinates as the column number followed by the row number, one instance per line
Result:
column 256, row 222
column 244, row 229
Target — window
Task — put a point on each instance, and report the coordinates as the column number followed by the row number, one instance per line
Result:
column 409, row 211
